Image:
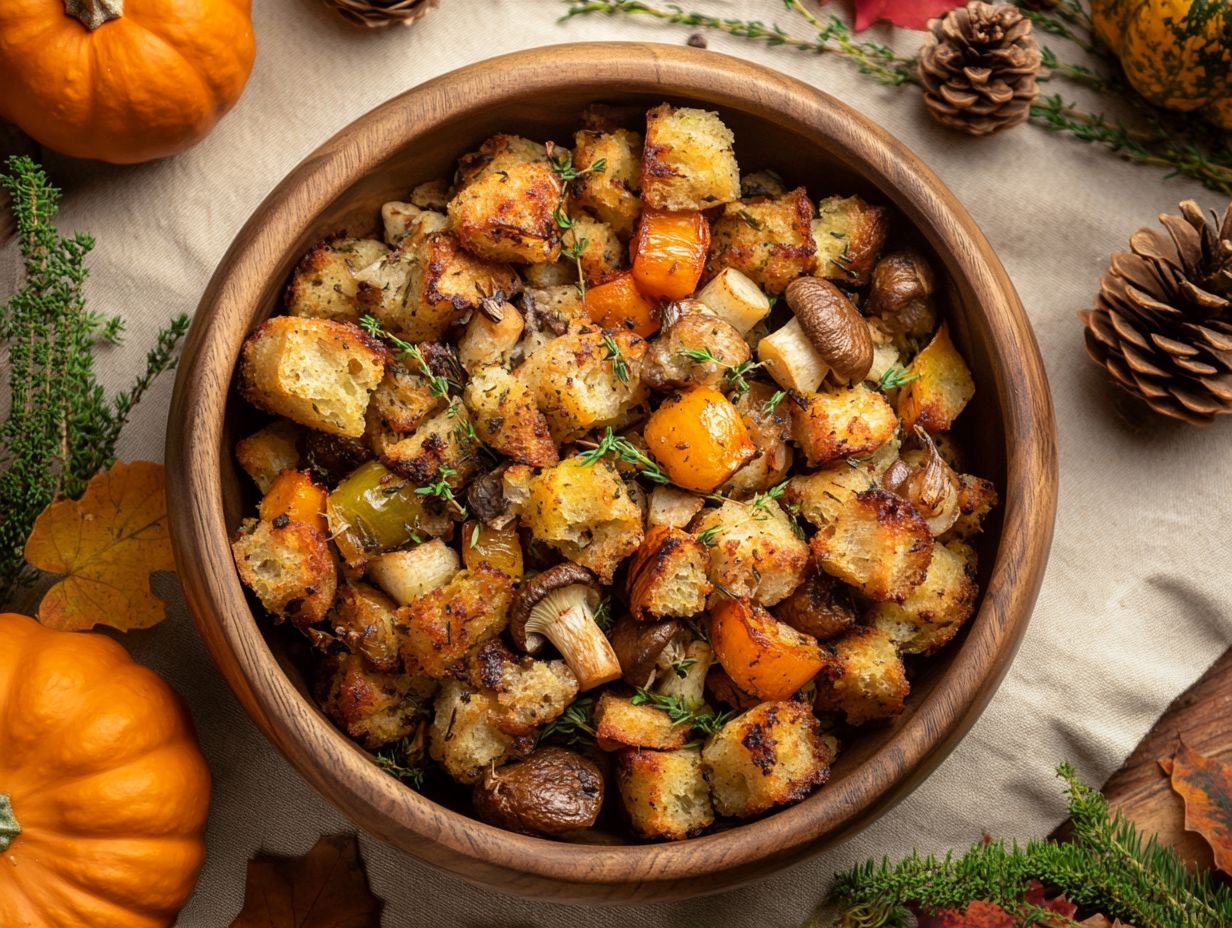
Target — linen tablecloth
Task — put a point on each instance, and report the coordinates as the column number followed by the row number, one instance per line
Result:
column 1134, row 605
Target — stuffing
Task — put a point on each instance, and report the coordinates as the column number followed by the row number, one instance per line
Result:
column 664, row 793
column 976, row 498
column 364, row 620
column 667, row 576
column 942, row 388
column 602, row 256
column 871, row 682
column 697, row 349
column 506, row 419
column 819, row 496
column 323, row 284
column 400, row 404
column 374, row 708
column 848, row 234
column 821, row 606
column 755, row 552
column 551, row 311
column 288, row 566
column 444, row 626
column 268, row 452
column 403, row 220
column 487, row 342
column 611, row 194
column 936, row 609
column 842, row 422
column 621, row 724
column 769, row 426
column 688, row 161
column 529, row 693
column 441, row 448
column 672, row 507
column 464, row 737
column 413, row 572
column 768, row 239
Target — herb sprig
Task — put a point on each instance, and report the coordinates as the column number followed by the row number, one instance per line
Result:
column 438, row 386
column 393, row 761
column 733, row 374
column 626, row 451
column 575, row 726
column 442, row 490
column 620, row 367
column 681, row 713
column 894, row 378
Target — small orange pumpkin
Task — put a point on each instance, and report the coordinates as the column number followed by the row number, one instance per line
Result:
column 103, row 790
column 122, row 80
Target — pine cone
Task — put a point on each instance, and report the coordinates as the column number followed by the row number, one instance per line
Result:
column 978, row 66
column 377, row 13
column 1162, row 322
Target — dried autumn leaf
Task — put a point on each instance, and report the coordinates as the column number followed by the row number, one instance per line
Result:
column 910, row 14
column 326, row 888
column 1206, row 786
column 978, row 914
column 106, row 544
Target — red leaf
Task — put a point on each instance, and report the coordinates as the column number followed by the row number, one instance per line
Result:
column 909, row 14
column 1035, row 896
column 978, row 915
column 1206, row 786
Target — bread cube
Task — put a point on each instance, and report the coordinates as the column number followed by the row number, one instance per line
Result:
column 688, row 161
column 288, row 566
column 877, row 543
column 552, row 274
column 668, row 576
column 768, row 239
column 976, row 498
column 496, row 155
column 578, row 387
column 772, row 755
column 936, row 609
column 316, row 372
column 374, row 708
column 446, row 625
column 506, row 418
column 621, row 724
column 664, row 793
column 487, row 342
column 533, row 693
column 551, row 312
column 323, row 284
column 611, row 194
column 821, row 606
column 441, row 448
column 414, row 572
column 819, row 496
column 400, row 404
column 762, row 183
column 603, row 254
column 942, row 388
column 464, row 738
column 842, row 422
column 755, row 552
column 871, row 684
column 584, row 511
column 268, row 452
column 364, row 621
column 849, row 235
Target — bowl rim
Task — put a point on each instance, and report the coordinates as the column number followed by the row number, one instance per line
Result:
column 450, row 839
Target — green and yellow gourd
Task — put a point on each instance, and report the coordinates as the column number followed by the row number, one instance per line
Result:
column 1176, row 53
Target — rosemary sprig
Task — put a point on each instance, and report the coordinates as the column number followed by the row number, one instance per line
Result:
column 626, row 451
column 708, row 536
column 575, row 726
column 772, row 404
column 392, row 761
column 894, row 378
column 681, row 713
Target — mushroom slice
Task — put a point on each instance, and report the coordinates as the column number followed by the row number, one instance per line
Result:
column 834, row 326
column 900, row 294
column 559, row 606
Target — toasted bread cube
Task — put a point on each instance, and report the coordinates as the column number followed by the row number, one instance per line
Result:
column 664, row 793
column 506, row 418
column 363, row 620
column 403, row 220
column 763, row 183
column 268, row 452
column 409, row 574
column 495, row 156
column 529, row 693
column 849, row 235
column 323, row 285
column 688, row 161
column 841, row 423
column 769, row 239
column 668, row 576
column 445, row 626
column 976, row 498
column 871, row 683
column 372, row 707
column 772, row 755
column 577, row 385
column 316, row 372
column 942, row 388
column 611, row 194
column 487, row 342
column 877, row 543
column 551, row 312
column 464, row 738
column 400, row 404
column 428, row 283
column 584, row 511
column 603, row 254
column 550, row 274
column 755, row 552
column 621, row 724
column 820, row 606
column 441, row 448
column 819, row 496
column 288, row 566
column 672, row 507
column 936, row 609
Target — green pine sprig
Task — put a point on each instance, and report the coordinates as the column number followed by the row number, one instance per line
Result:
column 61, row 428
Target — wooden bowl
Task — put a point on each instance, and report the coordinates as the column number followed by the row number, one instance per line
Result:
column 780, row 123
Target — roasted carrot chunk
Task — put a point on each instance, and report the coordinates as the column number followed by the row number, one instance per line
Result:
column 669, row 252
column 762, row 655
column 294, row 494
column 699, row 439
column 618, row 304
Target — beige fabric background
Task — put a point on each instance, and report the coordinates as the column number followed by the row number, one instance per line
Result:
column 1134, row 605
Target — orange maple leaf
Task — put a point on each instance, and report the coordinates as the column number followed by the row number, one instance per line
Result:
column 106, row 544
column 1206, row 786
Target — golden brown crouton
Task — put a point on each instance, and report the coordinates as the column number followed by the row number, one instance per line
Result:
column 464, row 737
column 698, row 349
column 942, row 388
column 579, row 386
column 819, row 496
column 976, row 498
column 584, row 511
column 621, row 724
column 602, row 255
column 268, row 452
column 935, row 610
column 774, row 754
column 506, row 418
column 768, row 239
column 667, row 576
column 820, row 606
column 611, row 194
column 447, row 624
column 503, row 210
column 428, row 283
column 688, row 161
column 849, row 235
column 441, row 448
column 842, row 422
column 871, row 683
column 755, row 552
column 877, row 543
column 323, row 285
column 288, row 565
column 769, row 426
column 550, row 312
column 364, row 621
column 529, row 693
column 400, row 405
column 664, row 793
column 316, row 372
column 374, row 708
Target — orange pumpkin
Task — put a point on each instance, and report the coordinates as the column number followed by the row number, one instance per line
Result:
column 669, row 252
column 699, row 438
column 762, row 655
column 103, row 791
column 618, row 304
column 122, row 80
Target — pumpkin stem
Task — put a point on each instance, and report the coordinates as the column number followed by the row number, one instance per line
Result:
column 9, row 829
column 93, row 13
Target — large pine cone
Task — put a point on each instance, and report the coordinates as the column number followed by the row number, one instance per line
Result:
column 377, row 13
column 1162, row 322
column 978, row 66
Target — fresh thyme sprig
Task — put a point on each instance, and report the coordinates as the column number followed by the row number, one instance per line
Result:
column 620, row 367
column 894, row 378
column 626, row 451
column 707, row 537
column 438, row 386
column 575, row 726
column 603, row 616
column 392, row 761
column 681, row 713
column 772, row 404
column 565, row 169
column 440, row 489
column 733, row 374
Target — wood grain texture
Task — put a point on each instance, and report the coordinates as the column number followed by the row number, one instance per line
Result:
column 780, row 123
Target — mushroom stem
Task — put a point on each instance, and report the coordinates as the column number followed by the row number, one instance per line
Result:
column 685, row 676
column 564, row 617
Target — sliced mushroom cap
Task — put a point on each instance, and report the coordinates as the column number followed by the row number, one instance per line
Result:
column 834, row 326
column 550, row 792
column 559, row 606
column 638, row 646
